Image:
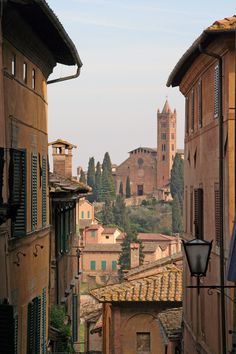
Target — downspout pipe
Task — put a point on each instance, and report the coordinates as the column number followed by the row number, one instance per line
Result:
column 65, row 78
column 221, row 195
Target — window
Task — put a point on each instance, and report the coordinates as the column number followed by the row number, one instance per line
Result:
column 88, row 214
column 163, row 147
column 143, row 343
column 114, row 265
column 93, row 233
column 82, row 214
column 92, row 265
column 34, row 326
column 44, row 190
column 104, row 265
column 107, row 237
column 17, row 187
column 33, row 79
column 163, row 125
column 172, row 147
column 163, row 136
column 34, row 191
column 216, row 91
column 25, row 73
column 192, row 121
column 74, row 317
column 13, row 65
column 186, row 115
column 200, row 103
column 163, row 157
column 198, row 213
column 44, row 321
column 172, row 136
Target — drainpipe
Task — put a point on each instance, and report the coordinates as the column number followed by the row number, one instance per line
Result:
column 221, row 195
column 65, row 78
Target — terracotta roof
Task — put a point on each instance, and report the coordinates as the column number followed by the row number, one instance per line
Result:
column 62, row 142
column 220, row 27
column 58, row 184
column 171, row 323
column 109, row 230
column 83, row 223
column 164, row 286
column 155, row 237
column 115, row 247
column 154, row 265
column 94, row 227
column 98, row 325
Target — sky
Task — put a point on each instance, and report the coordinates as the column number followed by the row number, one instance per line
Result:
column 128, row 49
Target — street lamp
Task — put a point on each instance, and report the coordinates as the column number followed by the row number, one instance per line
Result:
column 198, row 254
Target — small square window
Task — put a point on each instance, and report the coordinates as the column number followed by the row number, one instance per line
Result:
column 107, row 237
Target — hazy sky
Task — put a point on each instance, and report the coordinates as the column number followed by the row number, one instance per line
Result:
column 128, row 49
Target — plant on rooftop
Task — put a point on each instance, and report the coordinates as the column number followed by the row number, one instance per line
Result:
column 58, row 320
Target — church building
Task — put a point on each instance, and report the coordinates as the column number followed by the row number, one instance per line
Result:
column 149, row 168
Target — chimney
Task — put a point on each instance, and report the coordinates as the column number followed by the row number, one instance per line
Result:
column 62, row 157
column 134, row 255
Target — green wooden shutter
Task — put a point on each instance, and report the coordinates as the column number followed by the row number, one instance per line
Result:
column 104, row 265
column 34, row 191
column 37, row 306
column 92, row 265
column 44, row 321
column 114, row 265
column 200, row 103
column 75, row 317
column 192, row 113
column 217, row 214
column 17, row 189
column 198, row 213
column 16, row 334
column 2, row 161
column 30, row 328
column 216, row 91
column 44, row 190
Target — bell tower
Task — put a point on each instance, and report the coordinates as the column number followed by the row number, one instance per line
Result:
column 166, row 148
column 62, row 157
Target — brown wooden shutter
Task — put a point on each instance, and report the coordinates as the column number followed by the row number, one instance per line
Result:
column 191, row 211
column 198, row 213
column 217, row 215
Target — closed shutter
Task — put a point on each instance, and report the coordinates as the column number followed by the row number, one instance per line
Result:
column 16, row 334
column 1, row 172
column 217, row 215
column 6, row 329
column 34, row 326
column 186, row 115
column 37, row 305
column 92, row 265
column 192, row 122
column 44, row 321
column 200, row 103
column 114, row 265
column 216, row 91
column 75, row 317
column 17, row 189
column 104, row 265
column 44, row 190
column 198, row 213
column 30, row 328
column 34, row 192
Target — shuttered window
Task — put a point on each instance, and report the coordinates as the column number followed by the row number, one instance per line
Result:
column 17, row 190
column 6, row 329
column 217, row 214
column 1, row 172
column 186, row 115
column 114, row 265
column 192, row 111
column 44, row 321
column 104, row 265
column 216, row 91
column 34, row 326
column 34, row 191
column 198, row 213
column 92, row 265
column 75, row 317
column 16, row 334
column 44, row 190
column 200, row 104
column 191, row 211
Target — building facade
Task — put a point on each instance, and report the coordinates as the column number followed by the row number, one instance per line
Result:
column 28, row 54
column 209, row 179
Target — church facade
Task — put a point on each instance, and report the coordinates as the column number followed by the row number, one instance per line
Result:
column 149, row 168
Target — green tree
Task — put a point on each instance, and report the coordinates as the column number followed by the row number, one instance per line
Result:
column 124, row 259
column 107, row 213
column 82, row 178
column 177, row 179
column 98, row 183
column 91, row 177
column 58, row 319
column 120, row 213
column 177, row 220
column 127, row 188
column 121, row 192
column 108, row 186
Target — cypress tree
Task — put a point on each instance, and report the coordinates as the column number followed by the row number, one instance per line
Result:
column 82, row 178
column 107, row 214
column 91, row 173
column 177, row 222
column 121, row 189
column 108, row 186
column 98, row 183
column 124, row 259
column 121, row 217
column 127, row 188
column 177, row 179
